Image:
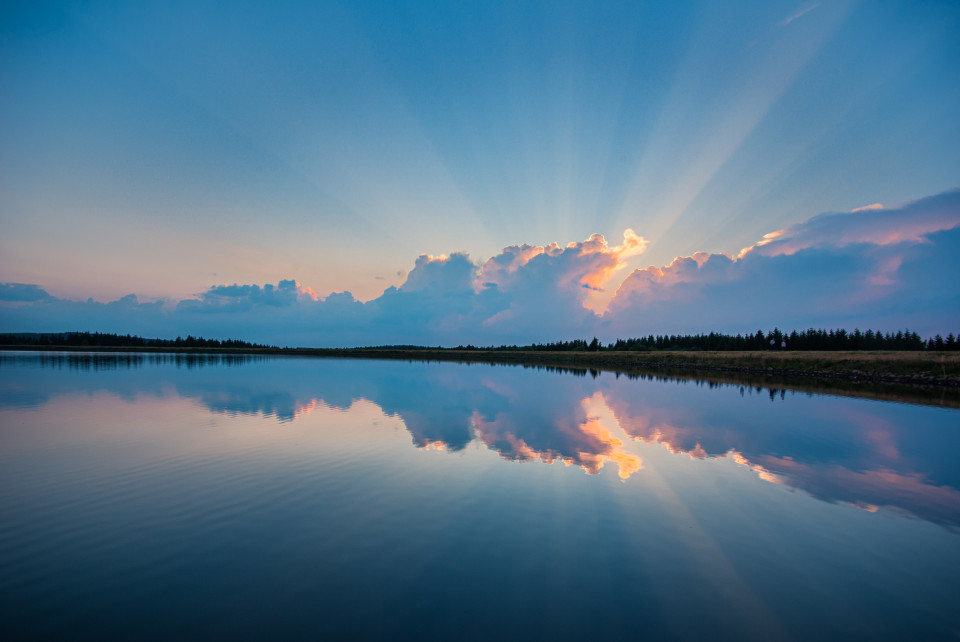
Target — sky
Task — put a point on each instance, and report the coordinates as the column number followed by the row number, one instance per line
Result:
column 363, row 173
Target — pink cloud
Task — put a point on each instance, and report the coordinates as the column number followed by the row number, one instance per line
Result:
column 870, row 224
column 655, row 282
column 453, row 273
column 588, row 263
column 863, row 268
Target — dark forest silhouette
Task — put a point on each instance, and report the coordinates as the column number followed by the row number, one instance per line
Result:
column 107, row 340
column 811, row 339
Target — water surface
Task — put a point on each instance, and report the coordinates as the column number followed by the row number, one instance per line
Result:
column 174, row 496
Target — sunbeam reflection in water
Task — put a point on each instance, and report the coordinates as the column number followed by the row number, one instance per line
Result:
column 158, row 496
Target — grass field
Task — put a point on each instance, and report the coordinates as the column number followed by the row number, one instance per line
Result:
column 921, row 367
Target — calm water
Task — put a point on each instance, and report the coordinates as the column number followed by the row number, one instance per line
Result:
column 165, row 497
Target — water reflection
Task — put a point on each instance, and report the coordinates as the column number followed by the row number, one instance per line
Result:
column 867, row 454
column 570, row 433
column 86, row 361
column 873, row 455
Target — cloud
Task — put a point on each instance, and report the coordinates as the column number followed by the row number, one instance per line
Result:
column 544, row 289
column 442, row 274
column 589, row 263
column 244, row 297
column 660, row 283
column 875, row 225
column 22, row 292
column 51, row 314
column 520, row 295
column 871, row 267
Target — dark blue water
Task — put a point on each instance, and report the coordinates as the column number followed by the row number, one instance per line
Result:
column 167, row 497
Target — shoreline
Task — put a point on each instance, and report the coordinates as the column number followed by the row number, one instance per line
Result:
column 864, row 375
column 939, row 369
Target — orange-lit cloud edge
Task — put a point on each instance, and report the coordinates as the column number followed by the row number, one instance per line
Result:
column 865, row 266
column 591, row 264
column 587, row 267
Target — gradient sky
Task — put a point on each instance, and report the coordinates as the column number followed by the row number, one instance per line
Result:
column 160, row 149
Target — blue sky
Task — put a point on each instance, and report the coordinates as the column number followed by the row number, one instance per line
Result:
column 164, row 149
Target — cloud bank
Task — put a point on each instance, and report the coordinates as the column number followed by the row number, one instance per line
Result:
column 868, row 268
column 871, row 268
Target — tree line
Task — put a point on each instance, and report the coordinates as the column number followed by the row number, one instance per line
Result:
column 107, row 340
column 811, row 339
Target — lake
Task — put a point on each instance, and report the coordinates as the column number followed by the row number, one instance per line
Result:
column 155, row 496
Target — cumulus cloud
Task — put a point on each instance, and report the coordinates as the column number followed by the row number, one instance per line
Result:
column 441, row 274
column 22, row 292
column 545, row 289
column 244, row 297
column 871, row 267
column 588, row 263
column 656, row 283
column 51, row 314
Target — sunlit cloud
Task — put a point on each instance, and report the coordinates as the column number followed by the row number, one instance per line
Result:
column 867, row 268
column 590, row 263
column 871, row 224
column 862, row 268
column 652, row 280
column 770, row 237
column 689, row 148
column 448, row 274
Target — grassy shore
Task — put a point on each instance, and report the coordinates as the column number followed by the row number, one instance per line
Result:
column 923, row 368
column 931, row 378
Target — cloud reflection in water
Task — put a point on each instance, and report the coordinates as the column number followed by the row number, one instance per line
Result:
column 868, row 454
